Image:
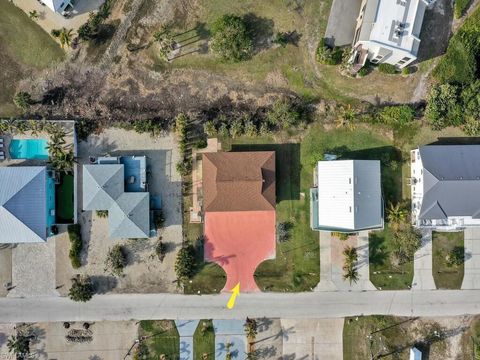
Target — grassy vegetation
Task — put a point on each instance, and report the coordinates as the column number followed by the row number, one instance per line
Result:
column 161, row 338
column 64, row 197
column 447, row 276
column 390, row 337
column 24, row 46
column 204, row 341
column 460, row 63
column 76, row 244
column 460, row 6
column 384, row 274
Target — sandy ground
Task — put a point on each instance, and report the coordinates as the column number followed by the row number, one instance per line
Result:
column 144, row 273
column 5, row 268
column 111, row 341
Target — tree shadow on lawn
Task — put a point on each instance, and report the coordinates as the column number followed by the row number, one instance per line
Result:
column 378, row 253
column 287, row 167
column 391, row 167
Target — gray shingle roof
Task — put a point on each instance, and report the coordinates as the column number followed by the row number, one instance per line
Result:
column 104, row 189
column 451, row 176
column 23, row 207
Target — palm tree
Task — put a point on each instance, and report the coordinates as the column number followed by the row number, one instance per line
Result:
column 396, row 214
column 63, row 35
column 351, row 274
column 164, row 37
column 346, row 118
column 351, row 255
column 34, row 15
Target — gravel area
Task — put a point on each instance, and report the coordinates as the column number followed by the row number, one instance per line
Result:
column 33, row 269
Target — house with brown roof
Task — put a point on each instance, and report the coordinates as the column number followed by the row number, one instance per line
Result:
column 239, row 213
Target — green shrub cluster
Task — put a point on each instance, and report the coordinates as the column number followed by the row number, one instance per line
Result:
column 399, row 115
column 387, row 68
column 455, row 105
column 76, row 245
column 460, row 63
column 231, row 39
column 91, row 28
column 185, row 263
column 116, row 260
column 329, row 55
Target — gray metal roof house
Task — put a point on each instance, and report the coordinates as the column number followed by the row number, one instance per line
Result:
column 347, row 196
column 23, row 204
column 445, row 183
column 104, row 189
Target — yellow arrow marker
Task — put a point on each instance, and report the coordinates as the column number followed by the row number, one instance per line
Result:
column 235, row 292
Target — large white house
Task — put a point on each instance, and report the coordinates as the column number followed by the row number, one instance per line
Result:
column 445, row 187
column 388, row 31
column 59, row 6
column 347, row 196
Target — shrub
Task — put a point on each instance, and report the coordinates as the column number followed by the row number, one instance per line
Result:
column 200, row 144
column 251, row 329
column 160, row 250
column 328, row 55
column 210, row 129
column 342, row 236
column 456, row 257
column 116, row 260
column 236, row 128
column 231, row 39
column 471, row 126
column 147, row 126
column 406, row 241
column 387, row 68
column 159, row 219
column 181, row 126
column 250, row 129
column 470, row 97
column 460, row 62
column 407, row 70
column 281, row 38
column 185, row 263
column 364, row 71
column 397, row 115
column 283, row 114
column 184, row 167
column 283, row 231
column 91, row 28
column 76, row 245
column 443, row 108
column 223, row 130
column 102, row 213
column 22, row 100
column 82, row 289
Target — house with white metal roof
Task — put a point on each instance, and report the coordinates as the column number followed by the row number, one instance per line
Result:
column 445, row 187
column 347, row 196
column 388, row 31
column 104, row 185
column 27, row 200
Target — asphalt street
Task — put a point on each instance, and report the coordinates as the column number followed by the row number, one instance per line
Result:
column 326, row 304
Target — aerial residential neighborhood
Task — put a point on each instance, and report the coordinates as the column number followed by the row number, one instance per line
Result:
column 207, row 179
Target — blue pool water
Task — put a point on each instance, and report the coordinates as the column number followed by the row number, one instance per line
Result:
column 29, row 149
column 50, row 202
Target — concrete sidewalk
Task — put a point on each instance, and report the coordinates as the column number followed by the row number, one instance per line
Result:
column 471, row 278
column 422, row 264
column 230, row 338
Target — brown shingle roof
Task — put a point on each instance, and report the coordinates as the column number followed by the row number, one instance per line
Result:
column 239, row 181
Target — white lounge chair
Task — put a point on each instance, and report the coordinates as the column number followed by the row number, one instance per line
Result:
column 2, row 155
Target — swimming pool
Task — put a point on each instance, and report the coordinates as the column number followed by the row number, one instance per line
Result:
column 29, row 149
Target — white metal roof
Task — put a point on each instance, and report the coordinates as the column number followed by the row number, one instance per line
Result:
column 401, row 16
column 349, row 194
column 23, row 204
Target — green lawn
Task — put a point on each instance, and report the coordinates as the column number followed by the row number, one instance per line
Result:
column 204, row 341
column 24, row 47
column 383, row 274
column 445, row 276
column 388, row 337
column 161, row 338
column 64, row 197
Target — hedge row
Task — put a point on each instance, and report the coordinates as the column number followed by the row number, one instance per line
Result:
column 76, row 245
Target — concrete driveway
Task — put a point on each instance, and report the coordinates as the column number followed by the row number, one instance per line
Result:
column 230, row 337
column 471, row 278
column 313, row 339
column 422, row 264
column 342, row 22
column 186, row 329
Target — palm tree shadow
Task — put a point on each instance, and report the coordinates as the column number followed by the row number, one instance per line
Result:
column 378, row 253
